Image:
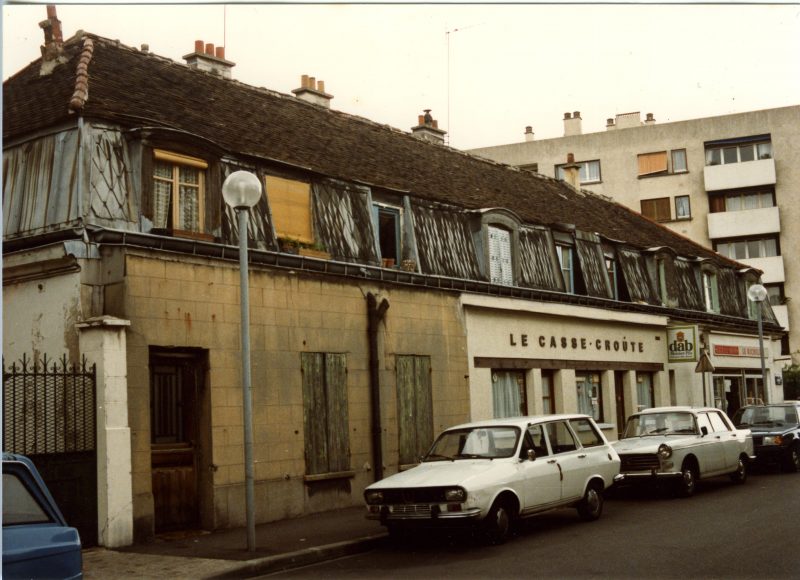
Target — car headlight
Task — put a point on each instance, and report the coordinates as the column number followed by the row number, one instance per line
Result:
column 455, row 494
column 773, row 440
column 664, row 451
column 373, row 497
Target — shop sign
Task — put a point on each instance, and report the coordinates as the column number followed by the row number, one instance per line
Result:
column 736, row 350
column 576, row 343
column 681, row 344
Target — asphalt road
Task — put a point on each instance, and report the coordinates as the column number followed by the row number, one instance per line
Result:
column 724, row 531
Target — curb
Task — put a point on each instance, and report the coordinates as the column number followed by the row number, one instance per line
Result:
column 301, row 558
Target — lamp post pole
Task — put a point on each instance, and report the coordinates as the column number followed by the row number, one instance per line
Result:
column 757, row 294
column 242, row 190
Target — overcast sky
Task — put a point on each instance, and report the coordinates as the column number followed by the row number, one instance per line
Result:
column 508, row 66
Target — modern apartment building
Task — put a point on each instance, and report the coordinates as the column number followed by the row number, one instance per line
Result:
column 729, row 182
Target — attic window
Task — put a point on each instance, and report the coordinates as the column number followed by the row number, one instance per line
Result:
column 500, row 265
column 178, row 192
column 290, row 204
column 387, row 220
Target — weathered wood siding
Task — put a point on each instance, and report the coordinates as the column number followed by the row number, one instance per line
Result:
column 445, row 244
column 634, row 271
column 342, row 217
column 688, row 286
column 39, row 184
column 414, row 407
column 325, row 415
column 593, row 264
column 538, row 265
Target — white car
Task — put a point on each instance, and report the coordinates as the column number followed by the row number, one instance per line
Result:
column 683, row 444
column 489, row 473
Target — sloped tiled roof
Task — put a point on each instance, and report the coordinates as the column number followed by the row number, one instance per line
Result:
column 135, row 88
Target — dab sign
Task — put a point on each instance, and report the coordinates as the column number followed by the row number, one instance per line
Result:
column 682, row 344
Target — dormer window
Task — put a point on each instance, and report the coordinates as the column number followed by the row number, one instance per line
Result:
column 710, row 290
column 567, row 270
column 500, row 266
column 178, row 192
column 290, row 205
column 387, row 220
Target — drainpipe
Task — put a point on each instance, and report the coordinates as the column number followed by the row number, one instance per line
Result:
column 375, row 314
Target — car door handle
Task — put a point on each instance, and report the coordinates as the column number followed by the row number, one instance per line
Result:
column 551, row 461
column 582, row 456
column 733, row 435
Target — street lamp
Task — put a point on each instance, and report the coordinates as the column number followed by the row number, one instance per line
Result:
column 241, row 191
column 757, row 294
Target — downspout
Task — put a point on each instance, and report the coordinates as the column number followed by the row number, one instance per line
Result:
column 375, row 313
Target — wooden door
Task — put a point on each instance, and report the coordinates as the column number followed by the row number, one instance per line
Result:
column 175, row 380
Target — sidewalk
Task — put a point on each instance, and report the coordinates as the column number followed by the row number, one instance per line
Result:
column 223, row 554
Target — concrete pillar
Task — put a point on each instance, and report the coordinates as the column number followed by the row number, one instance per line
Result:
column 102, row 342
column 609, row 398
column 533, row 382
column 564, row 391
column 629, row 393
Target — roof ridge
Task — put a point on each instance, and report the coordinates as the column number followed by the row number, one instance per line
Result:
column 81, row 93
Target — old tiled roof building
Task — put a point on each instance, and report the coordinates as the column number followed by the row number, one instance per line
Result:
column 508, row 292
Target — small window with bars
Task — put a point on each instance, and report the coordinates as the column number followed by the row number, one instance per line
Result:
column 178, row 192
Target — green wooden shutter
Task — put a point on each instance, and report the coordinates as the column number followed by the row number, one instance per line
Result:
column 315, row 413
column 338, row 423
column 424, row 404
column 405, row 409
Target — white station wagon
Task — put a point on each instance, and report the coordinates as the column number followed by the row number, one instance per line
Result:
column 489, row 473
column 683, row 444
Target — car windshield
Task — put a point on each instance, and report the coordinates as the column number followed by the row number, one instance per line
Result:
column 670, row 423
column 777, row 415
column 474, row 443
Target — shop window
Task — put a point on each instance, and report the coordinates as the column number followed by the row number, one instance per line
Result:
column 290, row 205
column 565, row 260
column 414, row 407
column 326, row 423
column 508, row 394
column 589, row 172
column 644, row 390
column 387, row 220
column 657, row 209
column 710, row 291
column 748, row 248
column 500, row 265
column 590, row 401
column 679, row 161
column 178, row 192
column 683, row 208
column 652, row 163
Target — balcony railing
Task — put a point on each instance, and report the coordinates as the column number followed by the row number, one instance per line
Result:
column 737, row 175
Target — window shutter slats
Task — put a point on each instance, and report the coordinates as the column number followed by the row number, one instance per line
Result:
column 650, row 163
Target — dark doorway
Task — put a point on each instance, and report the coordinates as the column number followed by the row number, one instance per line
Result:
column 177, row 379
column 619, row 397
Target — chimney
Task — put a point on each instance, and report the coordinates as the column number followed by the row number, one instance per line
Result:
column 628, row 120
column 313, row 91
column 428, row 129
column 53, row 47
column 649, row 119
column 610, row 125
column 528, row 133
column 208, row 59
column 572, row 124
column 572, row 172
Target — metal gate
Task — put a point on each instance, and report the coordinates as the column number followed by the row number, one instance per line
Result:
column 49, row 414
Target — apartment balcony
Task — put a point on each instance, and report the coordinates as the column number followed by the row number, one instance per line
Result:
column 747, row 222
column 738, row 175
column 782, row 315
column 772, row 268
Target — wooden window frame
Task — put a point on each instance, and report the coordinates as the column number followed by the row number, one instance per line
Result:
column 656, row 217
column 651, row 164
column 688, row 216
column 177, row 160
column 685, row 161
column 569, row 285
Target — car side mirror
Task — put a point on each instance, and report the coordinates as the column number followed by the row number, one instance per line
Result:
column 703, row 431
column 531, row 454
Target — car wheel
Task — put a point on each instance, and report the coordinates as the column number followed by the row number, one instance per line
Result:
column 497, row 524
column 740, row 475
column 591, row 506
column 791, row 463
column 688, row 481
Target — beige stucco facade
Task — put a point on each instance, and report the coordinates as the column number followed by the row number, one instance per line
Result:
column 617, row 150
